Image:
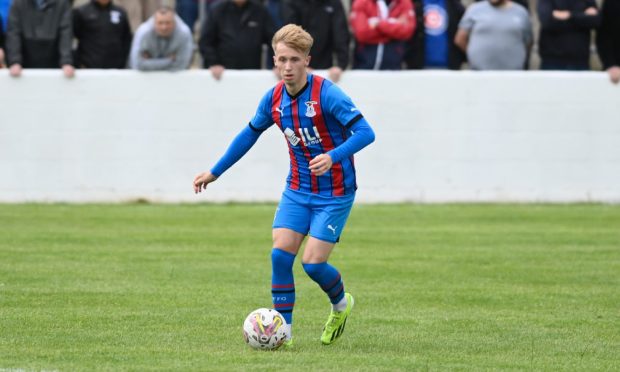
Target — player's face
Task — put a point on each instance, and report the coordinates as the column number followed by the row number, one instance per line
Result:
column 291, row 64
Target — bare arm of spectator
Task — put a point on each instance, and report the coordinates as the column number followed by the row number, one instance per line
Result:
column 461, row 39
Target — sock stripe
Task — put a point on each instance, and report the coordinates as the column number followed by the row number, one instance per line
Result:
column 292, row 285
column 331, row 285
column 283, row 291
column 339, row 295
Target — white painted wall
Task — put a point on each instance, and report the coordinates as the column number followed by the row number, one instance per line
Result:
column 441, row 136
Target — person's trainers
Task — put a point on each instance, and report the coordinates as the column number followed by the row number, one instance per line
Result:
column 288, row 344
column 336, row 322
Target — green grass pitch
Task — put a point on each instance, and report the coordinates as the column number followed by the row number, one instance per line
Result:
column 437, row 287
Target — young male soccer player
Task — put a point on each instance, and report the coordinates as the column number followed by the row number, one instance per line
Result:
column 323, row 130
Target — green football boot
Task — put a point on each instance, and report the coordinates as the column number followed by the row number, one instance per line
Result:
column 288, row 344
column 336, row 322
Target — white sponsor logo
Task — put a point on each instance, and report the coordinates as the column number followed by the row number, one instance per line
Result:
column 280, row 110
column 310, row 138
column 291, row 137
column 332, row 228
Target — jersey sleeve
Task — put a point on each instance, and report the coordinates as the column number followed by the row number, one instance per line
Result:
column 340, row 106
column 262, row 120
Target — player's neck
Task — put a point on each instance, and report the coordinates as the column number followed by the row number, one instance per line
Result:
column 293, row 87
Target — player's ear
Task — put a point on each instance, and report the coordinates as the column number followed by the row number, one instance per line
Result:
column 308, row 60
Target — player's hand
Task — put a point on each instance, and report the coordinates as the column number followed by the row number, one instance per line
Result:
column 202, row 180
column 321, row 164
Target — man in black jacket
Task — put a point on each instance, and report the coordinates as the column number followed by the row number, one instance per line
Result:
column 565, row 33
column 103, row 33
column 432, row 21
column 327, row 23
column 39, row 35
column 608, row 39
column 234, row 36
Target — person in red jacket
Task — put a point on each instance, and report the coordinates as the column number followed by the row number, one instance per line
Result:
column 380, row 28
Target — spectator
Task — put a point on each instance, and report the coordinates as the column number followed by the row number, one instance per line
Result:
column 326, row 22
column 145, row 28
column 189, row 12
column 432, row 44
column 565, row 33
column 523, row 3
column 608, row 39
column 39, row 35
column 165, row 46
column 103, row 34
column 380, row 28
column 496, row 35
column 234, row 36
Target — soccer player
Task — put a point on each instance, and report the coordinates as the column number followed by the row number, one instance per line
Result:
column 323, row 130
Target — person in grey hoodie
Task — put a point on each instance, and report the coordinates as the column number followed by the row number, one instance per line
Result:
column 166, row 47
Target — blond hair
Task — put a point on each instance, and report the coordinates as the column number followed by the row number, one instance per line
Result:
column 293, row 36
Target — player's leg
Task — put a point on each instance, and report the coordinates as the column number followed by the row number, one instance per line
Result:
column 290, row 225
column 326, row 226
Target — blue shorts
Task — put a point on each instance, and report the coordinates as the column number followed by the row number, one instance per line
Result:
column 320, row 216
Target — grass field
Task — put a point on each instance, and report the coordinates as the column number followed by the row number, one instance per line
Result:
column 437, row 287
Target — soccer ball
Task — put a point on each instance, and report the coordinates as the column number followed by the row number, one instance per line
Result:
column 264, row 329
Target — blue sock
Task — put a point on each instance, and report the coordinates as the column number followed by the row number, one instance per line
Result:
column 328, row 278
column 282, row 283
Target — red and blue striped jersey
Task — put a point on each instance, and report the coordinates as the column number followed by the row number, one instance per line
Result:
column 314, row 121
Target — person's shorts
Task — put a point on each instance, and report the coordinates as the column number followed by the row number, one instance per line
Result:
column 320, row 216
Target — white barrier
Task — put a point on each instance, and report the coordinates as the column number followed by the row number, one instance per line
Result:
column 441, row 136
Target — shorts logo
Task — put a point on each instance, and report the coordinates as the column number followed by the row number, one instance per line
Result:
column 310, row 109
column 332, row 228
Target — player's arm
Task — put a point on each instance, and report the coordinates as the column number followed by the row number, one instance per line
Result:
column 343, row 109
column 242, row 143
column 362, row 135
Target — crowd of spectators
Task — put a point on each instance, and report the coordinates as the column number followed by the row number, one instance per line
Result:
column 378, row 34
